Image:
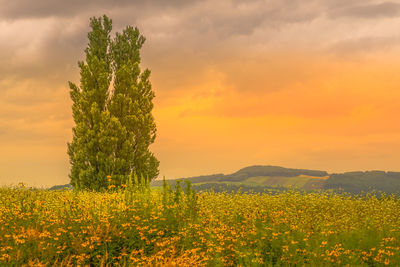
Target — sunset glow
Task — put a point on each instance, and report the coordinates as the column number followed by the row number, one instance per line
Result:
column 237, row 83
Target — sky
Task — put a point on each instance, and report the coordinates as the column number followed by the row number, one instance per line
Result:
column 303, row 84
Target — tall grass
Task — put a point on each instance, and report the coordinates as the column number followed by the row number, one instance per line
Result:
column 140, row 226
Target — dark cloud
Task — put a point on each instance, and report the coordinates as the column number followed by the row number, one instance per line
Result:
column 177, row 32
column 367, row 11
column 201, row 32
column 227, row 19
column 22, row 9
column 17, row 9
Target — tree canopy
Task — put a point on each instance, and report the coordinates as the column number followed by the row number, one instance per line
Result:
column 112, row 110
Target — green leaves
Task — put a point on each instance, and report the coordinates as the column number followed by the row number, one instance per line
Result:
column 114, row 128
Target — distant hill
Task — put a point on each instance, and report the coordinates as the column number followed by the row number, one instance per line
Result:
column 273, row 178
column 262, row 178
column 258, row 178
column 61, row 187
column 357, row 182
column 272, row 171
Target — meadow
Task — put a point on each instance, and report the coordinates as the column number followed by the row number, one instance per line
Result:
column 139, row 226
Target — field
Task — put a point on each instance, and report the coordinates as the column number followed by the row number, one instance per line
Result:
column 143, row 226
column 300, row 181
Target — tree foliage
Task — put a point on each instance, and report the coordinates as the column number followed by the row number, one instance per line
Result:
column 114, row 126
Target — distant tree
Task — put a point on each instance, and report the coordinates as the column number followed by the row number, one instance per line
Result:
column 114, row 128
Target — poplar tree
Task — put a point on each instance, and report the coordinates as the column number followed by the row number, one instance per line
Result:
column 113, row 126
column 131, row 103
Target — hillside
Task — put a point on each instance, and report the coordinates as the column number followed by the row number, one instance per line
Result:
column 61, row 187
column 357, row 182
column 262, row 178
column 259, row 179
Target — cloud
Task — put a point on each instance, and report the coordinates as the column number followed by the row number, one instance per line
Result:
column 228, row 19
column 267, row 62
column 40, row 49
column 47, row 38
column 367, row 11
column 364, row 45
column 57, row 8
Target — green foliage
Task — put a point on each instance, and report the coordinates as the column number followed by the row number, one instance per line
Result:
column 113, row 128
column 233, row 187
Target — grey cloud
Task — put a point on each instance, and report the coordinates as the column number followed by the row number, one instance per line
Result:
column 229, row 18
column 203, row 29
column 367, row 11
column 55, row 55
column 44, row 8
column 238, row 24
column 243, row 18
column 364, row 45
column 47, row 8
column 201, row 32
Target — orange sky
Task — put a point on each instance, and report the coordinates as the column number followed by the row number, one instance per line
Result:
column 311, row 85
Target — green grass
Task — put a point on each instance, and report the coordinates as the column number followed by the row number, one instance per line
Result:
column 288, row 182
